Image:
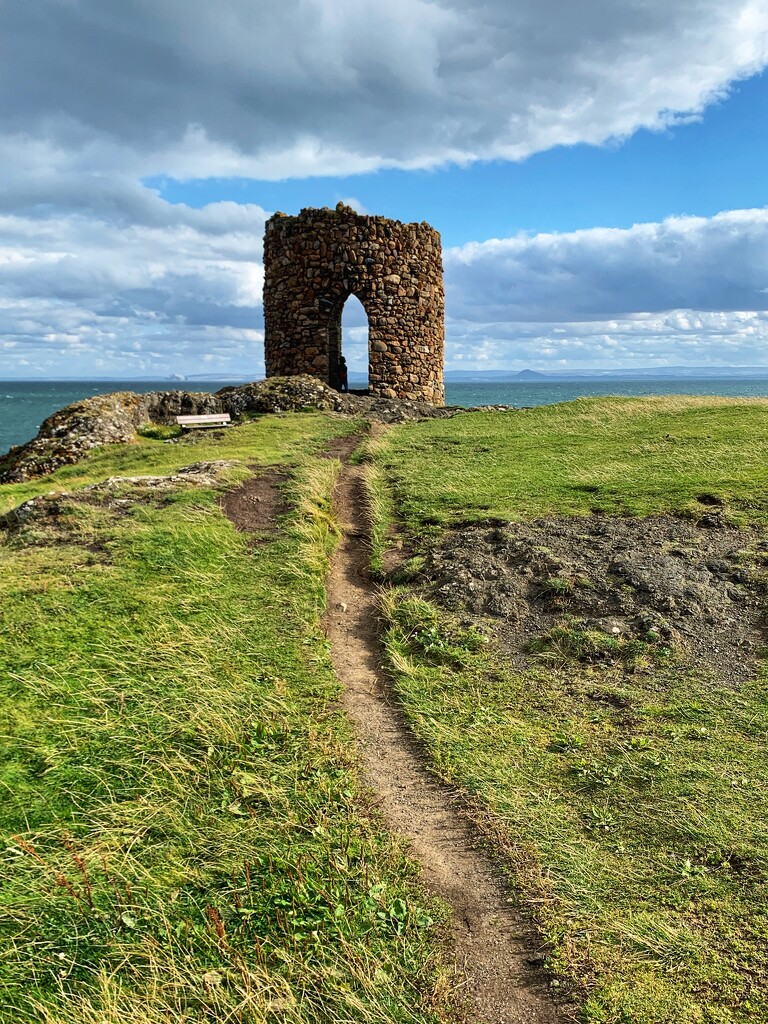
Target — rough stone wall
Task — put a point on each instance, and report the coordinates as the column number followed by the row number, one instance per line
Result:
column 315, row 261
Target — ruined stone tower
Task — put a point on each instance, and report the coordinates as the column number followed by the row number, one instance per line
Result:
column 314, row 262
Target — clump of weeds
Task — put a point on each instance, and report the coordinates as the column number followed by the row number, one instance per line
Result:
column 421, row 631
column 575, row 640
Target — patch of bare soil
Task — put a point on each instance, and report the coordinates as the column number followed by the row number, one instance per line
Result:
column 255, row 506
column 699, row 587
column 341, row 447
column 497, row 951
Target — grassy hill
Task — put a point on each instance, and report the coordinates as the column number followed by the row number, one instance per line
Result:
column 187, row 834
column 626, row 778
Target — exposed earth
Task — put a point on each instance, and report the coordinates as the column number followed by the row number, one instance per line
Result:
column 697, row 587
column 255, row 506
column 498, row 952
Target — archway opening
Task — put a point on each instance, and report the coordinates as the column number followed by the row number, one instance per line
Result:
column 353, row 345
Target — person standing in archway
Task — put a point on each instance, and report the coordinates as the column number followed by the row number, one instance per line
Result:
column 343, row 374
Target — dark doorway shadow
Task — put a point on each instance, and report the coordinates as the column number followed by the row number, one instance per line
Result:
column 348, row 362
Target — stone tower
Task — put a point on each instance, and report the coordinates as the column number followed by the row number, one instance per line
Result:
column 314, row 262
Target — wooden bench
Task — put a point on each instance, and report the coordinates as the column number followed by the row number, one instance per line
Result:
column 212, row 419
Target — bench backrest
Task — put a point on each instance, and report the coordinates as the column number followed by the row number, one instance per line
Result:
column 212, row 417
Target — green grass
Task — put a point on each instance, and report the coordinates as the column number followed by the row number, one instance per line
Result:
column 186, row 836
column 571, row 640
column 627, row 790
column 265, row 439
column 160, row 431
column 614, row 455
column 379, row 510
column 185, row 833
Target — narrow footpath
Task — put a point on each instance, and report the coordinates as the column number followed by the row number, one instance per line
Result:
column 496, row 950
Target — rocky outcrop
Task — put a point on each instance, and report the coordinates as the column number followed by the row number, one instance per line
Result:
column 280, row 394
column 302, row 392
column 69, row 434
column 394, row 410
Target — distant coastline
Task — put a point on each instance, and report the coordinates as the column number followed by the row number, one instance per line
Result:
column 25, row 404
column 451, row 376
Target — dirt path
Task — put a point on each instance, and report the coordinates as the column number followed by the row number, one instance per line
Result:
column 495, row 947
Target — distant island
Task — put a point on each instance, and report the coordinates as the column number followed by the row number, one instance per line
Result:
column 644, row 373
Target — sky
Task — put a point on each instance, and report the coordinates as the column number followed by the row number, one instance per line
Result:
column 597, row 171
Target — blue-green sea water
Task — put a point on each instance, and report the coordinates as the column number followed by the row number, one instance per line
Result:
column 25, row 404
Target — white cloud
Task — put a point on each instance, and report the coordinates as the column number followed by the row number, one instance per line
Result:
column 100, row 272
column 82, row 293
column 717, row 263
column 294, row 87
column 677, row 338
column 688, row 290
column 355, row 204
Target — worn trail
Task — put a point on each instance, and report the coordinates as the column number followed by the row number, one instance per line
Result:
column 496, row 949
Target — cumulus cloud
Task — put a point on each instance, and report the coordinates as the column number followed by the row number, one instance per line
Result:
column 179, row 289
column 688, row 290
column 98, row 273
column 717, row 263
column 676, row 338
column 291, row 87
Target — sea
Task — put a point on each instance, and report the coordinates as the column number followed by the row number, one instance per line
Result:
column 25, row 404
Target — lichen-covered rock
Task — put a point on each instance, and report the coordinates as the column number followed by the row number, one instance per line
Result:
column 393, row 410
column 199, row 474
column 302, row 392
column 165, row 406
column 280, row 394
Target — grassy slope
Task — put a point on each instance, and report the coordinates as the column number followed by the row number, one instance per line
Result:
column 185, row 833
column 632, row 806
column 265, row 440
column 613, row 455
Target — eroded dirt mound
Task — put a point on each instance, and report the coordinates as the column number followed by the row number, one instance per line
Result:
column 255, row 506
column 698, row 587
column 498, row 953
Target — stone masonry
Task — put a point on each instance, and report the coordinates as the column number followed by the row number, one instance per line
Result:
column 315, row 261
